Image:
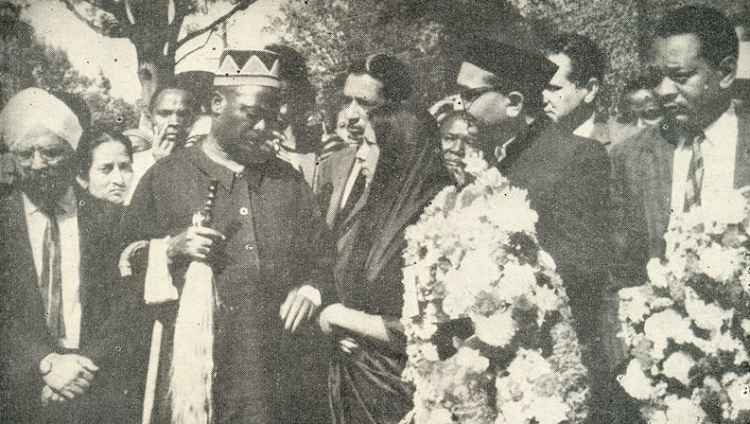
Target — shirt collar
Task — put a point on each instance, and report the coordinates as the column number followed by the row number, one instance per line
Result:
column 222, row 173
column 724, row 128
column 587, row 128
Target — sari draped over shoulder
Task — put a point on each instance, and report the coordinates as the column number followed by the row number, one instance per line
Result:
column 366, row 386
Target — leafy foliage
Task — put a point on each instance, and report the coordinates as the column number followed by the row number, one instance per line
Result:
column 428, row 34
column 26, row 62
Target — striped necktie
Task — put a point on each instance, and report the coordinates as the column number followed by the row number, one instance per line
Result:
column 51, row 281
column 695, row 174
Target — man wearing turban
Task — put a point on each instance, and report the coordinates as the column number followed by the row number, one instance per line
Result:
column 58, row 278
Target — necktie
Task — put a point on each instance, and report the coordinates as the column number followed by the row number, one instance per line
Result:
column 51, row 284
column 695, row 175
column 357, row 190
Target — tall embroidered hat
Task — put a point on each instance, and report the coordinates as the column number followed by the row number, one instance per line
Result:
column 248, row 67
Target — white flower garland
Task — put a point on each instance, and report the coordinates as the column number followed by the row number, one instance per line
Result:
column 474, row 255
column 688, row 329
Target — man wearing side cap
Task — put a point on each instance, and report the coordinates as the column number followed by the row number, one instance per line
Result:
column 566, row 175
column 267, row 247
column 60, row 338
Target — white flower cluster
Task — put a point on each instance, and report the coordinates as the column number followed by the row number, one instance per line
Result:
column 688, row 329
column 474, row 255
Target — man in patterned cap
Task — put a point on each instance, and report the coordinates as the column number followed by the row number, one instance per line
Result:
column 566, row 176
column 58, row 340
column 268, row 248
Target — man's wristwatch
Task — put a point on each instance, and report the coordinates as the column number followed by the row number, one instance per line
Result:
column 45, row 367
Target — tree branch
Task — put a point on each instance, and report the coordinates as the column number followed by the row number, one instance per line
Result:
column 79, row 15
column 239, row 7
column 109, row 7
column 177, row 61
column 113, row 8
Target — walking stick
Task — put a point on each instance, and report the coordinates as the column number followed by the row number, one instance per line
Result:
column 158, row 329
column 153, row 370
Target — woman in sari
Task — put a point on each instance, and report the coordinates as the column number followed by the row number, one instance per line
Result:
column 365, row 376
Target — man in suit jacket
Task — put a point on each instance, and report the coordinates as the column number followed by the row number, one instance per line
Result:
column 60, row 341
column 344, row 177
column 571, row 96
column 695, row 51
column 695, row 54
column 566, row 176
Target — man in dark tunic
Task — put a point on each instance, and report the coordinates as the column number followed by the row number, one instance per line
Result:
column 268, row 247
column 566, row 176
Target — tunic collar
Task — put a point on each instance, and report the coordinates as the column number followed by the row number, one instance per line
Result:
column 226, row 177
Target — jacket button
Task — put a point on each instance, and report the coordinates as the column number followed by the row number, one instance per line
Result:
column 249, row 247
column 244, row 211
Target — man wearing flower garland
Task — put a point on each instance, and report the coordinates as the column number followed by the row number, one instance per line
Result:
column 566, row 175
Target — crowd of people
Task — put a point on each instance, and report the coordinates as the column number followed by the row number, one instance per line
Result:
column 104, row 239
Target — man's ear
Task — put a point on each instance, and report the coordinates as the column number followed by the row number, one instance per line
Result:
column 728, row 69
column 515, row 107
column 217, row 103
column 593, row 89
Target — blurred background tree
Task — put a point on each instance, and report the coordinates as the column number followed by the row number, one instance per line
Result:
column 427, row 34
column 25, row 61
column 156, row 28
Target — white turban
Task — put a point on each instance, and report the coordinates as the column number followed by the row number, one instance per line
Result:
column 32, row 109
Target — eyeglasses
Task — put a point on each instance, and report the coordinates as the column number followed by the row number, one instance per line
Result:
column 49, row 155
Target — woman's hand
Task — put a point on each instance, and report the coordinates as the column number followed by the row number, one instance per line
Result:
column 348, row 345
column 329, row 318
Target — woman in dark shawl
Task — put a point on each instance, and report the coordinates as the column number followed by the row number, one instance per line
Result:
column 365, row 376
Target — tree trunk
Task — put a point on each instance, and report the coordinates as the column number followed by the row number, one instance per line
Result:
column 154, row 70
column 153, row 31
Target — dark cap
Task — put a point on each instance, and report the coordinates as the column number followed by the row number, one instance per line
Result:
column 510, row 63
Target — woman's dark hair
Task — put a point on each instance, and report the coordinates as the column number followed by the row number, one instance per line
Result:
column 89, row 142
column 384, row 67
column 410, row 173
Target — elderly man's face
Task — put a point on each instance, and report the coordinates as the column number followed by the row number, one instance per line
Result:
column 245, row 118
column 173, row 115
column 694, row 93
column 45, row 165
column 363, row 93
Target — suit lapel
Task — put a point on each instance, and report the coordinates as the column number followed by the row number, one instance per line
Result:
column 21, row 268
column 655, row 161
column 361, row 202
column 742, row 157
column 334, row 174
column 86, row 232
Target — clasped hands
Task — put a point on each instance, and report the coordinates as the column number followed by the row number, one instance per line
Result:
column 67, row 376
column 196, row 243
